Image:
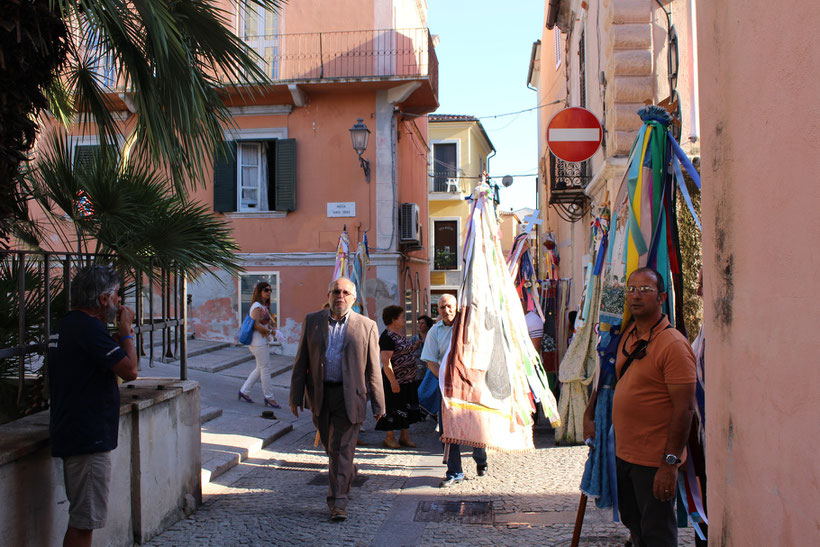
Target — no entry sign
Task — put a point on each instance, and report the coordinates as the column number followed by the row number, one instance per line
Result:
column 574, row 134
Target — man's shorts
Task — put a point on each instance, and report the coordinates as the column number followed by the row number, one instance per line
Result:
column 87, row 477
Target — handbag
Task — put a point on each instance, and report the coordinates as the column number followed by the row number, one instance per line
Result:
column 245, row 334
column 429, row 394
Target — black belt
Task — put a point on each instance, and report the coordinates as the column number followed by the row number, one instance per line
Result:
column 333, row 384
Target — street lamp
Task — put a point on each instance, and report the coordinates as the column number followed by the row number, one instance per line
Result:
column 359, row 134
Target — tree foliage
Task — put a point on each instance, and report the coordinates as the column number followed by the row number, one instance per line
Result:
column 166, row 61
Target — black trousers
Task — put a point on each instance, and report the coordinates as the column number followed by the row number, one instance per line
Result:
column 651, row 521
column 338, row 436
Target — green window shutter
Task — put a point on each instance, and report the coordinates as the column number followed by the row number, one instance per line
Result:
column 225, row 178
column 285, row 169
column 84, row 155
column 271, row 158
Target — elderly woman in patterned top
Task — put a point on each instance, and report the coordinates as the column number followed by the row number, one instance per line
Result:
column 398, row 375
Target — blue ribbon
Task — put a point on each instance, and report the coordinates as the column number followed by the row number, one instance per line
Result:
column 602, row 250
column 612, row 225
column 610, row 443
column 684, row 159
column 678, row 158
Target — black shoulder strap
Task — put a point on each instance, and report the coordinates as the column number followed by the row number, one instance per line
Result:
column 632, row 355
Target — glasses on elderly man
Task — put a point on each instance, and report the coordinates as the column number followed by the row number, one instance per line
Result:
column 337, row 292
column 643, row 289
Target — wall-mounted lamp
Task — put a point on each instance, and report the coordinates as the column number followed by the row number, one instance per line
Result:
column 359, row 134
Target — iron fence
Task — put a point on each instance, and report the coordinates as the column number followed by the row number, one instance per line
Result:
column 36, row 292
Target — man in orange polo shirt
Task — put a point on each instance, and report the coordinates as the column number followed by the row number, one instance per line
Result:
column 651, row 412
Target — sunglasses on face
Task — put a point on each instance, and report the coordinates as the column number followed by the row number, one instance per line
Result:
column 266, row 289
column 644, row 289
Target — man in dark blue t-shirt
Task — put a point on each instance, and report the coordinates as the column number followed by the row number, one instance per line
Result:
column 83, row 364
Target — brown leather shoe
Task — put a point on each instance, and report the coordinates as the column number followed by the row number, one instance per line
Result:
column 337, row 514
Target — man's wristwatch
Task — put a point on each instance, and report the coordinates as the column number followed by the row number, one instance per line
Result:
column 671, row 459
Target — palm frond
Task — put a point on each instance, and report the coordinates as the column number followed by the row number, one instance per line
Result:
column 172, row 57
column 131, row 212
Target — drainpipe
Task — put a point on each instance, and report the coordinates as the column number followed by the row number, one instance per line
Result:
column 488, row 160
column 552, row 13
column 694, row 106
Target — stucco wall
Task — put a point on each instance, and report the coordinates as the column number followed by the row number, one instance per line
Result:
column 760, row 123
column 155, row 478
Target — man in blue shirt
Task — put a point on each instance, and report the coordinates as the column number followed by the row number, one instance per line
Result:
column 83, row 364
column 435, row 346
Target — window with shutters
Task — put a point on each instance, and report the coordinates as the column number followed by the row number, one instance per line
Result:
column 255, row 176
column 84, row 154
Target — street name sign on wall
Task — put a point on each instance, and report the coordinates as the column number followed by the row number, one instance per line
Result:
column 341, row 209
column 574, row 134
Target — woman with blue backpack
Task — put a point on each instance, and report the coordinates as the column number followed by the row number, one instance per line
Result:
column 260, row 324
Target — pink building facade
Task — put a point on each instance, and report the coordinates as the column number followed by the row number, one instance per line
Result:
column 294, row 181
column 761, row 233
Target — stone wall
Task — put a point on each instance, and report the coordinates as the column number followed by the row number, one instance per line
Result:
column 155, row 469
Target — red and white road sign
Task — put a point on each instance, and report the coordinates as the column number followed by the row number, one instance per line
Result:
column 574, row 134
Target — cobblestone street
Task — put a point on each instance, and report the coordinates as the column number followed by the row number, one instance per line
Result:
column 277, row 497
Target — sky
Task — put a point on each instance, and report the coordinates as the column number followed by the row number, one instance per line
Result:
column 484, row 54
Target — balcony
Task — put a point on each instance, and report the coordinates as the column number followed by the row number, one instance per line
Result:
column 446, row 180
column 344, row 56
column 359, row 54
column 567, row 183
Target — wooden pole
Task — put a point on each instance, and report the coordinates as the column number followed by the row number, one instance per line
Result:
column 579, row 521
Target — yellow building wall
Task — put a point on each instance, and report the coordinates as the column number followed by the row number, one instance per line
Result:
column 473, row 150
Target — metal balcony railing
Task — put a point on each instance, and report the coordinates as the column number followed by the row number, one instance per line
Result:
column 347, row 55
column 567, row 183
column 342, row 55
column 446, row 180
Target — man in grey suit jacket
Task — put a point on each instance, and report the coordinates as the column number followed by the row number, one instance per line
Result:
column 335, row 367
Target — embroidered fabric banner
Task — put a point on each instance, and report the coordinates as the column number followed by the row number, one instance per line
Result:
column 491, row 374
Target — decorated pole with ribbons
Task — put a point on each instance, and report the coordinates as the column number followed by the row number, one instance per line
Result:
column 354, row 267
column 492, row 374
column 643, row 232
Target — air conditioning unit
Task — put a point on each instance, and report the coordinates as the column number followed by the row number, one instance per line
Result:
column 409, row 225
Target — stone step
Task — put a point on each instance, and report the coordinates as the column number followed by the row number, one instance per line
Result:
column 209, row 413
column 227, row 441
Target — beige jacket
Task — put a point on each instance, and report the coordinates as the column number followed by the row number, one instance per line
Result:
column 361, row 371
